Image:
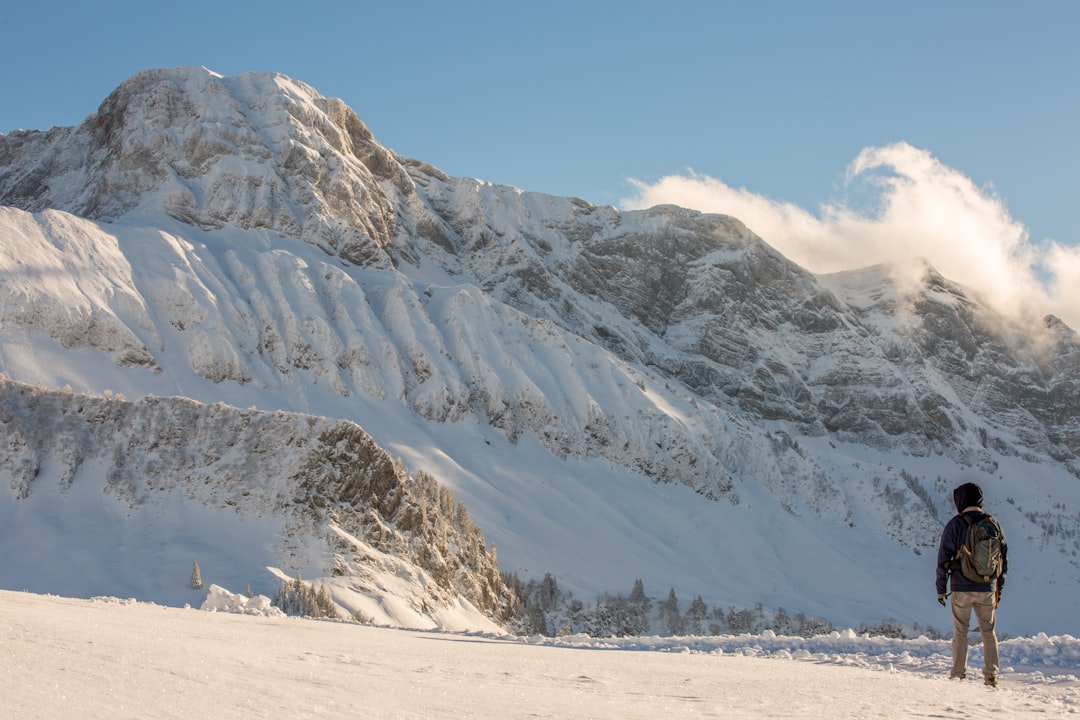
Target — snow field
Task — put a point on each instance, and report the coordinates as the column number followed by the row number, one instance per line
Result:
column 116, row 659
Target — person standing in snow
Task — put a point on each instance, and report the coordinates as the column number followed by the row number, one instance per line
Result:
column 967, row 594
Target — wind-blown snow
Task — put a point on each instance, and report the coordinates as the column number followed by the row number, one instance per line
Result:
column 113, row 659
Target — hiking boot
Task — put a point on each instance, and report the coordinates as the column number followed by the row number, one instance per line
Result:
column 990, row 681
column 957, row 676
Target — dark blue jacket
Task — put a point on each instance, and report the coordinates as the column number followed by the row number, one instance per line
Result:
column 951, row 540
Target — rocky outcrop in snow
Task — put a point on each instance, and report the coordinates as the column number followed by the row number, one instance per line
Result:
column 333, row 502
column 255, row 151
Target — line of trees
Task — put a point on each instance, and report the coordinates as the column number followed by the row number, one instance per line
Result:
column 543, row 609
column 295, row 597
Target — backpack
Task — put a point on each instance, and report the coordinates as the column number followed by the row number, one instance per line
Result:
column 979, row 558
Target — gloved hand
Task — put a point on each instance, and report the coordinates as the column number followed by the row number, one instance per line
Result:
column 997, row 596
column 941, row 598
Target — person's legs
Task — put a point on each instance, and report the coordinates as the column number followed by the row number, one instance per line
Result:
column 984, row 613
column 961, row 611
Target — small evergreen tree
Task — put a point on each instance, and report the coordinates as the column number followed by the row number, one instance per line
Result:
column 547, row 595
column 696, row 616
column 638, row 610
column 637, row 595
column 670, row 615
column 196, row 576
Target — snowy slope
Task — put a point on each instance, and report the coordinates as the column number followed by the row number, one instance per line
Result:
column 653, row 395
column 116, row 659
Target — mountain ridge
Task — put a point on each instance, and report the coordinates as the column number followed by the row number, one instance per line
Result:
column 264, row 250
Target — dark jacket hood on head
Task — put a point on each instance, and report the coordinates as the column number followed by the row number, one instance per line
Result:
column 967, row 495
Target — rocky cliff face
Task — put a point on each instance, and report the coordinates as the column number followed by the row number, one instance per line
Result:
column 888, row 356
column 258, row 152
column 321, row 484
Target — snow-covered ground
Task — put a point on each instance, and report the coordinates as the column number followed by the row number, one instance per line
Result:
column 115, row 659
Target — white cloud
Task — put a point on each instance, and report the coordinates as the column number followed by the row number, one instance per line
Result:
column 1064, row 263
column 918, row 208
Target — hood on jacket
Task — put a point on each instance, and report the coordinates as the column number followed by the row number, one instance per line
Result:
column 967, row 495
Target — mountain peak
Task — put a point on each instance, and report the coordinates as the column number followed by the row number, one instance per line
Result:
column 255, row 151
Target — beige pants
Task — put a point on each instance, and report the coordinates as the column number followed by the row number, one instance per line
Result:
column 983, row 605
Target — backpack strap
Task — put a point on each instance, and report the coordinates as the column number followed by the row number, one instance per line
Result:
column 963, row 548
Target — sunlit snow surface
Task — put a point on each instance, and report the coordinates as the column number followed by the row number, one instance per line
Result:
column 112, row 658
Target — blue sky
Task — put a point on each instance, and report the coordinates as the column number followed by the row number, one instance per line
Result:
column 607, row 100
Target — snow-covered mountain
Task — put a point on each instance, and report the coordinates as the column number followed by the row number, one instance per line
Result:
column 613, row 395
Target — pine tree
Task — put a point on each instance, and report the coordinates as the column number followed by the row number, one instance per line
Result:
column 670, row 615
column 698, row 609
column 547, row 595
column 639, row 609
column 196, row 576
column 637, row 594
column 696, row 615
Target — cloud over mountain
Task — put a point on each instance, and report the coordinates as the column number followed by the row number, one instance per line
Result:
column 899, row 203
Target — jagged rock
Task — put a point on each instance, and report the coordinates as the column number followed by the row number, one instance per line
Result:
column 320, row 481
column 256, row 151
